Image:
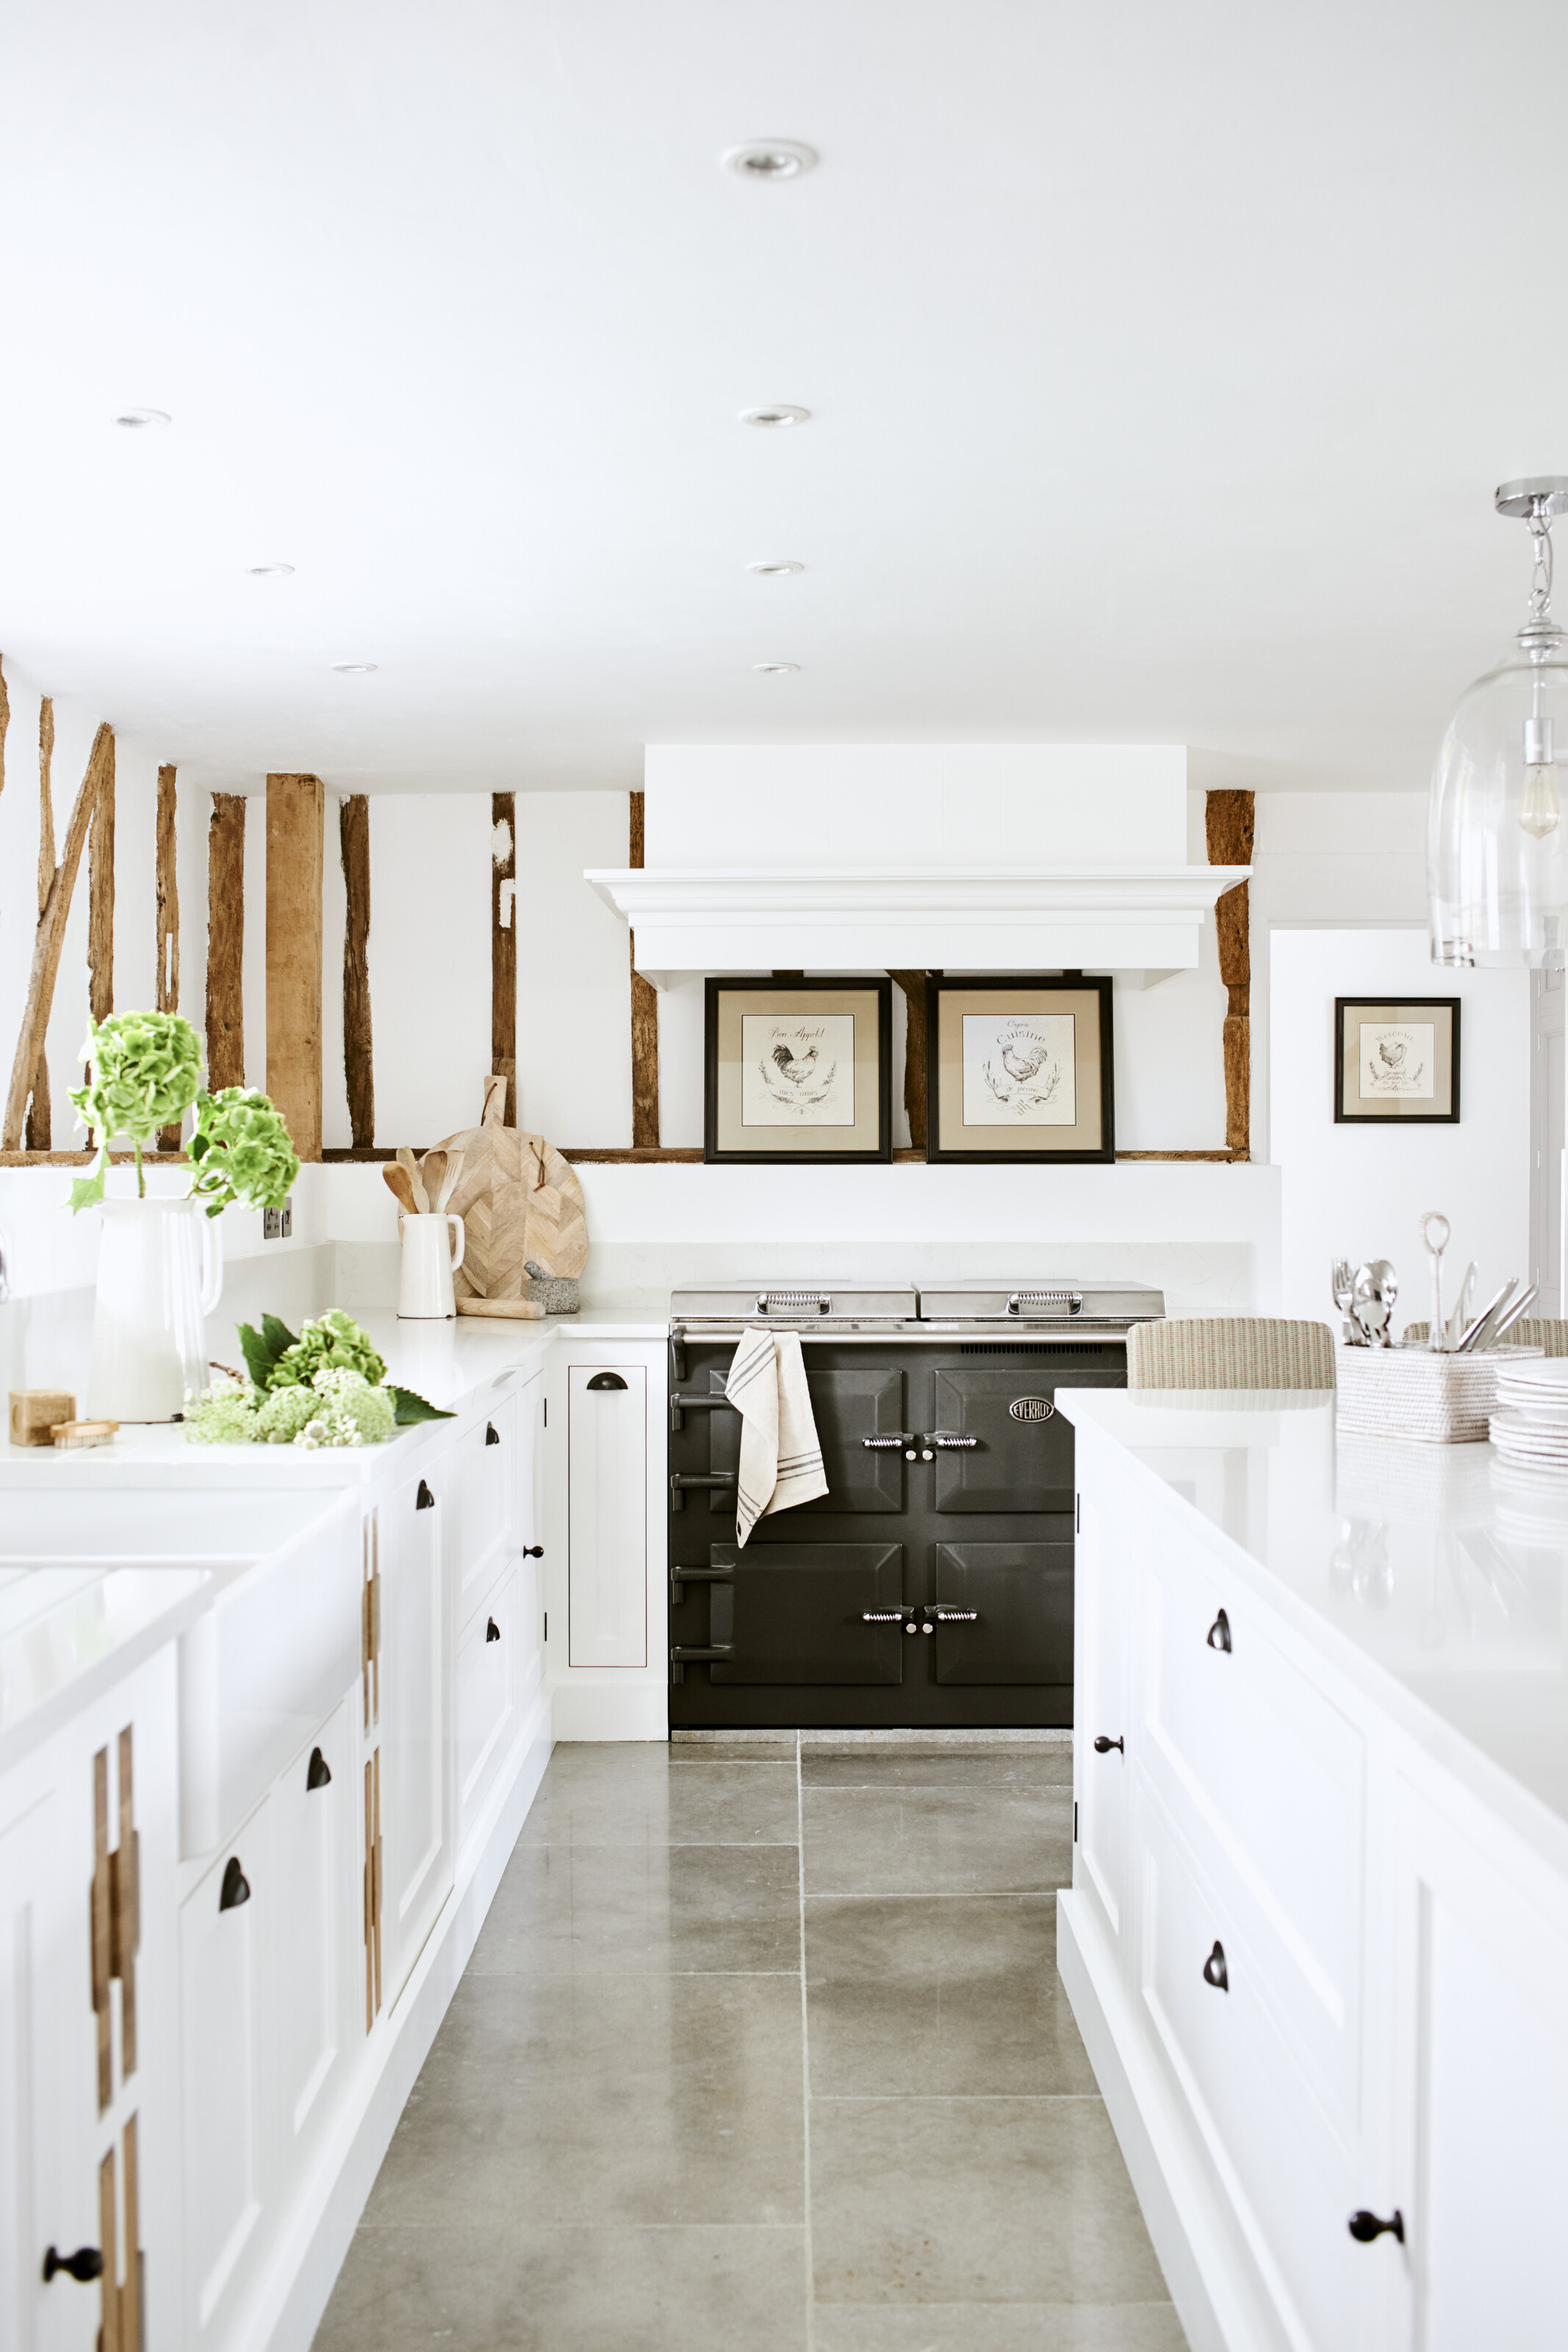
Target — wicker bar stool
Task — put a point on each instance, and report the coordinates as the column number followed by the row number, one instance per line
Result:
column 1230, row 1351
column 1531, row 1331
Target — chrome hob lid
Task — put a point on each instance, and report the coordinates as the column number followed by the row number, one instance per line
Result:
column 1039, row 1301
column 1039, row 1305
column 797, row 1306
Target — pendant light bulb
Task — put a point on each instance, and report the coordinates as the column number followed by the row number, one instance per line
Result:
column 1539, row 806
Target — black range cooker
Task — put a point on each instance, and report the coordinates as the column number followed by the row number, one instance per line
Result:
column 932, row 1584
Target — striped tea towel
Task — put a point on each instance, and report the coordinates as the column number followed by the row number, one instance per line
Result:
column 780, row 1460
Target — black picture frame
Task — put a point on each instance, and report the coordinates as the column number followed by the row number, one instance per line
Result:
column 1394, row 1112
column 783, row 995
column 940, row 991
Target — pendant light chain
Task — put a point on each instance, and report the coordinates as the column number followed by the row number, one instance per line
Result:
column 1541, row 582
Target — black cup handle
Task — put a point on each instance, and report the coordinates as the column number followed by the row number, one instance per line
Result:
column 492, row 1631
column 235, row 1886
column 1215, row 1972
column 318, row 1772
column 492, row 1435
column 1218, row 1634
column 424, row 1500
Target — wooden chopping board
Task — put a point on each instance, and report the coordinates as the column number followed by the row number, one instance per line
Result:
column 518, row 1199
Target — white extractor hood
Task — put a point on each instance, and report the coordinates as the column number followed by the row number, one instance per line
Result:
column 850, row 858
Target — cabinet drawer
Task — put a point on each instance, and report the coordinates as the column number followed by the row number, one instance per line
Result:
column 607, row 1513
column 1286, row 2172
column 479, row 1481
column 1267, row 1781
column 488, row 1663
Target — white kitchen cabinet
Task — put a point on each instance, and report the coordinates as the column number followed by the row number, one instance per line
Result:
column 224, row 1924
column 66, row 2114
column 488, row 1695
column 607, row 1503
column 528, row 1519
column 481, row 1465
column 313, row 2006
column 416, row 1807
column 1482, row 2165
column 1102, row 1633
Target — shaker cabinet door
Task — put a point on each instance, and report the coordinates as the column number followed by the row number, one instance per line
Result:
column 314, row 2023
column 1110, row 1522
column 416, row 1806
column 224, row 1930
column 1481, row 2008
column 606, row 1509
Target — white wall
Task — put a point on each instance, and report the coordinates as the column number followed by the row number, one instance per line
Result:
column 1358, row 1192
column 574, row 972
column 914, row 804
column 429, row 961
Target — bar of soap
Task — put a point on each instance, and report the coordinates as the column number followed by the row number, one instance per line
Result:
column 69, row 1434
column 37, row 1414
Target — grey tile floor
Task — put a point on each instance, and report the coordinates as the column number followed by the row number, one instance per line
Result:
column 764, row 2051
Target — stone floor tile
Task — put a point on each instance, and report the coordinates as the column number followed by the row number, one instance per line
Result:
column 915, row 1994
column 975, row 2201
column 702, row 1799
column 532, row 2288
column 1000, row 2327
column 677, row 2100
column 620, row 1910
column 1047, row 1764
column 970, row 1841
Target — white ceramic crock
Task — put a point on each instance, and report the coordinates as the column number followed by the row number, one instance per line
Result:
column 432, row 1247
column 160, row 1273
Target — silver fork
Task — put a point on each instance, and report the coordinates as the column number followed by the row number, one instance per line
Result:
column 1343, row 1285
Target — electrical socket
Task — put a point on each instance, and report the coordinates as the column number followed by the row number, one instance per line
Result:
column 277, row 1224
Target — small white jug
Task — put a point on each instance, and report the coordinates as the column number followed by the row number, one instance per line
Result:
column 432, row 1248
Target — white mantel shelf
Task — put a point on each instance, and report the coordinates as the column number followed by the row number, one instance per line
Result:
column 1142, row 922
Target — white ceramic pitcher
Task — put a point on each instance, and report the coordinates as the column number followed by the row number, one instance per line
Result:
column 432, row 1248
column 160, row 1273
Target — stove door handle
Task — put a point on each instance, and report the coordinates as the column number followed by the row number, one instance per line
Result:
column 884, row 1616
column 948, row 1440
column 953, row 1616
column 889, row 1443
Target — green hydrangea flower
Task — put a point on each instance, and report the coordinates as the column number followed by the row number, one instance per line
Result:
column 241, row 1151
column 284, row 1414
column 353, row 1405
column 334, row 1342
column 144, row 1071
column 225, row 1416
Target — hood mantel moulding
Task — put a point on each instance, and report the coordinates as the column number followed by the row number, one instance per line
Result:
column 1142, row 923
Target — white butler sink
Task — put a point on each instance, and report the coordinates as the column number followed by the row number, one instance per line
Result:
column 261, row 1666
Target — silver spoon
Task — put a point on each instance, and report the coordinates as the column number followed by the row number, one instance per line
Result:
column 1435, row 1229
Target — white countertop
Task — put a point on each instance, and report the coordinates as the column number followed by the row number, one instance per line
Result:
column 448, row 1363
column 1433, row 1573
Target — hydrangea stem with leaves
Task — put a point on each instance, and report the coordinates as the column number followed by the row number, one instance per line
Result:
column 143, row 1071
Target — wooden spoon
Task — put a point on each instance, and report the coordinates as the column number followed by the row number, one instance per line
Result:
column 406, row 1160
column 397, row 1182
column 432, row 1175
column 454, row 1177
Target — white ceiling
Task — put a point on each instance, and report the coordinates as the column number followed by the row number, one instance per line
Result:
column 1161, row 362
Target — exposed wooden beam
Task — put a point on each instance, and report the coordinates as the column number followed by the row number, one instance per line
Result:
column 100, row 898
column 359, row 1067
column 912, row 984
column 225, row 942
column 50, row 938
column 166, row 922
column 295, row 821
column 503, row 947
column 1229, row 826
column 39, row 1129
column 644, row 1023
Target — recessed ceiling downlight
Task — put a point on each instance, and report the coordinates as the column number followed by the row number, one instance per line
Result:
column 271, row 570
column 135, row 419
column 777, row 414
column 769, row 159
column 774, row 566
column 775, row 670
column 355, row 669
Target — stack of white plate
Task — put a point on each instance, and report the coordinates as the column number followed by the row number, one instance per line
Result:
column 1530, row 1423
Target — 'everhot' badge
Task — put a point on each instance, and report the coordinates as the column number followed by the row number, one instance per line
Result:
column 1031, row 1409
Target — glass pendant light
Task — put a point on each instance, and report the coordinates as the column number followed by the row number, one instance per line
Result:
column 1496, row 845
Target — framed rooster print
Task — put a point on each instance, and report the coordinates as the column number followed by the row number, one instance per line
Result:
column 797, row 1070
column 1396, row 1061
column 1018, row 1069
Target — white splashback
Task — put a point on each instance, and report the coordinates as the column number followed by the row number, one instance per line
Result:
column 914, row 806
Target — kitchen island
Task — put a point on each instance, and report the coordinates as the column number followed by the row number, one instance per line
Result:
column 1317, row 1937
